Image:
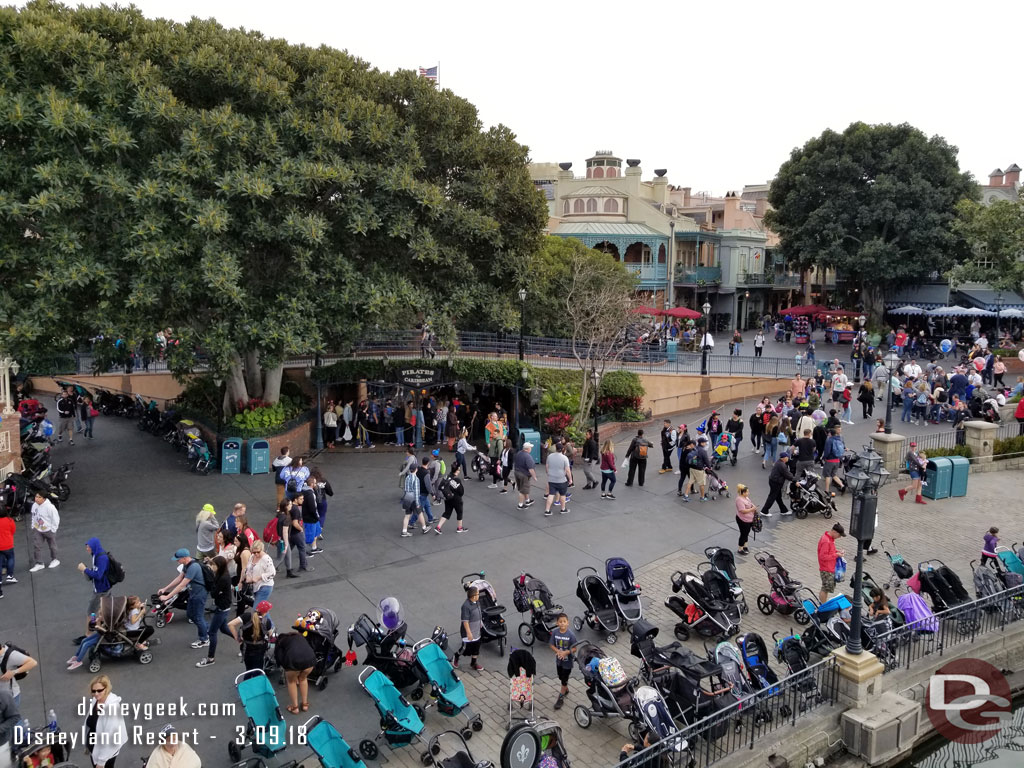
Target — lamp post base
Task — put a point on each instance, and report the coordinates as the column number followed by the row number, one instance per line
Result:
column 858, row 668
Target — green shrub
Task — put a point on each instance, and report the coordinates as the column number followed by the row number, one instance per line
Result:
column 1009, row 445
column 957, row 450
column 1004, row 352
column 200, row 396
column 633, row 415
column 559, row 400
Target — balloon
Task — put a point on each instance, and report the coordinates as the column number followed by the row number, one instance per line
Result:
column 979, row 363
column 1020, row 355
column 818, row 417
column 946, row 346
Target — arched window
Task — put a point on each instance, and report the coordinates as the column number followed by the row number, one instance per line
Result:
column 591, row 205
column 611, row 205
column 598, row 173
column 577, row 206
column 611, row 173
column 565, row 207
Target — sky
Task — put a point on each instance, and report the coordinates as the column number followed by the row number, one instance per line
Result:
column 719, row 93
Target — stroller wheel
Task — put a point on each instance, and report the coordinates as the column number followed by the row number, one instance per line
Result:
column 420, row 711
column 416, row 694
column 160, row 623
column 612, row 638
column 682, row 632
column 827, row 514
column 466, row 733
column 435, row 749
column 426, row 759
column 526, row 633
column 477, row 724
column 800, row 512
column 765, row 605
column 577, row 623
column 338, row 664
column 94, row 664
column 634, row 732
column 800, row 617
column 785, row 711
column 501, row 647
column 368, row 749
column 145, row 657
column 744, row 608
column 234, row 752
column 582, row 716
column 322, row 682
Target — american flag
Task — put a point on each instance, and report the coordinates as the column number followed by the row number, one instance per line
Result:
column 430, row 73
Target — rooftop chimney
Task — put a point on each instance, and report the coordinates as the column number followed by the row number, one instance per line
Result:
column 995, row 179
column 660, row 185
column 1012, row 177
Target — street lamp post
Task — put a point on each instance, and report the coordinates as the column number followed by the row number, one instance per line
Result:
column 704, row 340
column 863, row 321
column 8, row 368
column 746, row 310
column 525, row 374
column 317, row 362
column 595, row 380
column 999, row 306
column 522, row 321
column 891, row 361
column 864, row 479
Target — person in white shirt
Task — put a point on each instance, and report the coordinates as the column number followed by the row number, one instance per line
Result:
column 839, row 384
column 707, row 341
column 45, row 522
column 912, row 369
column 172, row 751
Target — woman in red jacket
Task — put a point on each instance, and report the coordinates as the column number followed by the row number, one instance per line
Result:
column 607, row 469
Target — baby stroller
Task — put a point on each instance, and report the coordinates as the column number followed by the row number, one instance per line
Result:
column 543, row 739
column 942, row 585
column 161, row 610
column 783, row 596
column 38, row 748
column 723, row 561
column 716, row 486
column 754, row 654
column 401, row 723
column 531, row 594
column 727, row 656
column 446, row 688
column 792, row 652
column 1009, row 578
column 901, row 569
column 198, row 457
column 718, row 586
column 624, row 589
column 609, row 689
column 266, row 730
column 492, row 614
column 600, row 614
column 460, row 758
column 708, row 615
column 917, row 613
column 522, row 668
column 320, row 628
column 330, row 748
column 988, row 584
column 1011, row 560
column 828, row 628
column 655, row 719
column 115, row 642
column 807, row 498
column 656, row 660
column 724, row 450
column 385, row 643
column 480, row 465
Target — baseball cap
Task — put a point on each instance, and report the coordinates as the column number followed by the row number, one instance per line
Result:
column 180, row 554
column 435, row 452
column 913, row 445
column 784, row 455
column 263, row 606
column 208, row 508
column 838, row 528
column 168, row 729
column 527, row 445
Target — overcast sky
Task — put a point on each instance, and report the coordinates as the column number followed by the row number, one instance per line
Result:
column 716, row 92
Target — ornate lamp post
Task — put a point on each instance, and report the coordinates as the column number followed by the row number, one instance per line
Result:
column 864, row 479
column 862, row 323
column 522, row 321
column 524, row 374
column 891, row 361
column 8, row 368
column 704, row 339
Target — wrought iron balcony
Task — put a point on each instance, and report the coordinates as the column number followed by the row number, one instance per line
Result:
column 648, row 273
column 697, row 275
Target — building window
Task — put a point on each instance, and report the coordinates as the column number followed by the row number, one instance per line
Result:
column 599, row 173
column 611, row 173
column 578, row 206
column 611, row 205
column 982, row 259
column 591, row 205
column 565, row 208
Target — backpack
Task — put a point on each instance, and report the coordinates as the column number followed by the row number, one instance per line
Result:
column 611, row 672
column 7, row 654
column 209, row 580
column 292, row 485
column 115, row 571
column 447, row 491
column 641, row 451
column 270, row 532
column 693, row 459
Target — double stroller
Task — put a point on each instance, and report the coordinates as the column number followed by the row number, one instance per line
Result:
column 709, row 615
column 446, row 689
column 531, row 595
column 609, row 689
column 115, row 642
column 320, row 628
column 385, row 643
column 941, row 584
column 492, row 614
column 782, row 598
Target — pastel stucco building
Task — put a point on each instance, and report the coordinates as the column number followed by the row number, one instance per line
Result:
column 683, row 248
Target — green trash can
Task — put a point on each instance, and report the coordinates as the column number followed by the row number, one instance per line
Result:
column 231, row 456
column 937, row 478
column 532, row 436
column 961, row 469
column 259, row 456
column 671, row 350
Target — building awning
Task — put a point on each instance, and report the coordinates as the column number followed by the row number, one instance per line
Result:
column 986, row 298
column 925, row 296
column 580, row 228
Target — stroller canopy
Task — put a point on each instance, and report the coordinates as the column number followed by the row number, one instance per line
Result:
column 323, row 621
column 485, row 589
column 753, row 648
column 617, row 569
column 113, row 611
column 521, row 661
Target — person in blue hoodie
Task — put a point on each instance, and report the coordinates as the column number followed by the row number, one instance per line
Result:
column 97, row 573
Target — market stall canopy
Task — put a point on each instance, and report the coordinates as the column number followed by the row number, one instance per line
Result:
column 647, row 311
column 1016, row 313
column 808, row 309
column 683, row 312
column 954, row 311
column 975, row 312
column 907, row 310
column 839, row 313
column 985, row 298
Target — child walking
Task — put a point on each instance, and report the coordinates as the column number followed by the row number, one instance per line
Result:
column 562, row 641
column 988, row 551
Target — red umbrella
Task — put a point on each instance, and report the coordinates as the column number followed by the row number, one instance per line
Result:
column 809, row 309
column 684, row 313
column 646, row 311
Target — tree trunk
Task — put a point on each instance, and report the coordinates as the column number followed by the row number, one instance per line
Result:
column 581, row 415
column 873, row 306
column 236, row 388
column 253, row 374
column 272, row 383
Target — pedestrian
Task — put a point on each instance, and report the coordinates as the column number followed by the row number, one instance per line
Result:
column 253, row 631
column 737, row 342
column 495, row 438
column 296, row 476
column 452, row 491
column 524, row 469
column 258, row 576
column 15, row 664
column 330, row 424
column 221, row 594
column 193, row 579
column 831, row 459
column 295, row 656
column 636, row 455
column 426, row 488
column 771, row 440
column 470, row 620
column 89, row 641
column 758, row 343
column 10, row 716
column 756, row 428
column 97, row 574
column 282, row 522
column 827, row 554
column 591, row 460
column 89, row 414
column 45, row 522
column 780, row 474
column 805, row 450
column 866, row 398
column 668, row 443
column 172, row 751
column 322, row 490
column 563, row 640
column 745, row 511
column 7, row 530
column 279, row 464
column 988, row 549
column 461, row 449
column 206, row 530
column 348, row 422
column 698, row 461
column 998, row 371
column 915, row 463
column 608, row 469
column 67, row 410
column 506, row 461
column 734, row 427
column 105, row 731
column 297, row 535
column 559, row 479
column 410, row 504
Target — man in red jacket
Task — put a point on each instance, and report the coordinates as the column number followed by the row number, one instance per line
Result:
column 827, row 554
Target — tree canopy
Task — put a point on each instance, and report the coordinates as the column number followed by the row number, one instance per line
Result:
column 875, row 202
column 261, row 198
column 996, row 235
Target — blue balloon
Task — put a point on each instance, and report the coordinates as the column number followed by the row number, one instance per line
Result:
column 946, row 346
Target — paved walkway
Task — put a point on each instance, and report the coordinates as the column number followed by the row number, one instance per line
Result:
column 132, row 491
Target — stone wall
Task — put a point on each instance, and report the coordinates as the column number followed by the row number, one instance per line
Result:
column 10, row 443
column 672, row 393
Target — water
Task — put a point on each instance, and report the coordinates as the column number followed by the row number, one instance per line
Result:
column 1004, row 751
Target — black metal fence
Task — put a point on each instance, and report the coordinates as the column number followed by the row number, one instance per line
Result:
column 741, row 725
column 962, row 624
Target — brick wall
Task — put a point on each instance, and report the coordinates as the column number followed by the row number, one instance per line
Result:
column 10, row 444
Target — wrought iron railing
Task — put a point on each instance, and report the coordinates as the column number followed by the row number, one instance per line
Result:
column 742, row 724
column 648, row 272
column 695, row 275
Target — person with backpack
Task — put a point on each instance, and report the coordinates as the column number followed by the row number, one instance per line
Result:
column 636, row 456
column 15, row 664
column 668, row 442
column 253, row 630
column 697, row 459
column 221, row 594
column 100, row 573
column 279, row 464
column 198, row 579
column 452, row 491
column 295, row 477
column 831, row 459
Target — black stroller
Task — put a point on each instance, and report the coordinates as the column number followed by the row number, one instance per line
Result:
column 723, row 560
column 609, row 689
column 530, row 594
column 320, row 628
column 116, row 642
column 658, row 659
column 600, row 614
column 624, row 589
column 942, row 585
column 706, row 614
column 385, row 644
column 492, row 614
column 791, row 651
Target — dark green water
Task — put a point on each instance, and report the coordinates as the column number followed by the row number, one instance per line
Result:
column 1003, row 751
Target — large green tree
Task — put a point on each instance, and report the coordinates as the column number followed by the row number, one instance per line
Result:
column 263, row 199
column 875, row 202
column 995, row 234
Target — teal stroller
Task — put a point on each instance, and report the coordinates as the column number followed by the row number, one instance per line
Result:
column 401, row 723
column 266, row 732
column 446, row 688
column 331, row 749
column 199, row 457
